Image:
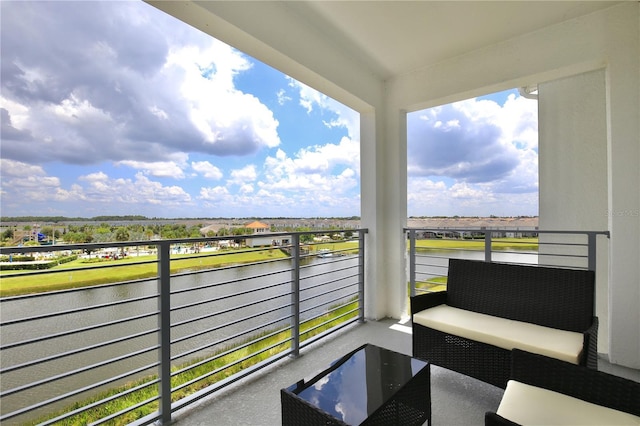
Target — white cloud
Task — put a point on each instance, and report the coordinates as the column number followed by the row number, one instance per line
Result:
column 246, row 189
column 230, row 122
column 283, row 98
column 206, row 169
column 18, row 112
column 101, row 188
column 464, row 191
column 92, row 193
column 73, row 108
column 158, row 168
column 329, row 168
column 11, row 168
column 319, row 180
column 161, row 114
column 246, row 174
column 217, row 194
column 344, row 116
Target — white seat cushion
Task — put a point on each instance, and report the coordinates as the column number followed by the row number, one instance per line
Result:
column 530, row 405
column 503, row 333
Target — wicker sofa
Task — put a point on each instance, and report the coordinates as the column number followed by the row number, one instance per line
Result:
column 491, row 308
column 544, row 390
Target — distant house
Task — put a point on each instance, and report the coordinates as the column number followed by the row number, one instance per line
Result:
column 258, row 227
column 260, row 230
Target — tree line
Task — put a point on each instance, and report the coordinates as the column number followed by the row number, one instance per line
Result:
column 107, row 232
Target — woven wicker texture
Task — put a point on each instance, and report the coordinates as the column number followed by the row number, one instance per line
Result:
column 551, row 297
column 484, row 362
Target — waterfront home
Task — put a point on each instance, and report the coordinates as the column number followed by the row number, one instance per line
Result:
column 258, row 238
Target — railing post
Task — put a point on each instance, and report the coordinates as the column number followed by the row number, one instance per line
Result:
column 361, row 276
column 164, row 323
column 487, row 246
column 412, row 262
column 591, row 250
column 295, row 295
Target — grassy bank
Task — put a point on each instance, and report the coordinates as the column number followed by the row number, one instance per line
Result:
column 81, row 273
column 496, row 244
column 434, row 284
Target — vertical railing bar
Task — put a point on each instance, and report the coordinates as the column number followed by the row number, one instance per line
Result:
column 361, row 276
column 487, row 246
column 164, row 322
column 295, row 295
column 412, row 262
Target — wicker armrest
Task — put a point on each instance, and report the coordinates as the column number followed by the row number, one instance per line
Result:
column 591, row 345
column 427, row 300
column 577, row 381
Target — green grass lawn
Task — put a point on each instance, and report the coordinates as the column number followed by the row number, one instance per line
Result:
column 496, row 244
column 130, row 268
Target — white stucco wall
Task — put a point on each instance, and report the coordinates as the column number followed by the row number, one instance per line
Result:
column 573, row 161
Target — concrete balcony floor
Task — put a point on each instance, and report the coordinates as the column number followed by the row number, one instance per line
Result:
column 455, row 399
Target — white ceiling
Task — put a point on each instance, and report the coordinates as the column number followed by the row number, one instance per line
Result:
column 394, row 37
column 329, row 44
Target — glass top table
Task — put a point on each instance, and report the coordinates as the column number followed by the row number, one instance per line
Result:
column 370, row 385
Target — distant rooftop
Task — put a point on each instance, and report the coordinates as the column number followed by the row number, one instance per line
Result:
column 523, row 223
column 474, row 222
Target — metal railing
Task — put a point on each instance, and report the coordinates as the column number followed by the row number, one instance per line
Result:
column 429, row 251
column 133, row 340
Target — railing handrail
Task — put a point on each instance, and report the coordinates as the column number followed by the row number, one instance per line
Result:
column 488, row 239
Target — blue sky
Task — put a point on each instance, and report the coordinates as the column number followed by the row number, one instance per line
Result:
column 114, row 108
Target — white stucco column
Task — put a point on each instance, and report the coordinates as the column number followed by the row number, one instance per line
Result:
column 371, row 216
column 383, row 190
column 394, row 210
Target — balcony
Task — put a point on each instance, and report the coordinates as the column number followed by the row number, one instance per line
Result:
column 455, row 399
column 192, row 326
